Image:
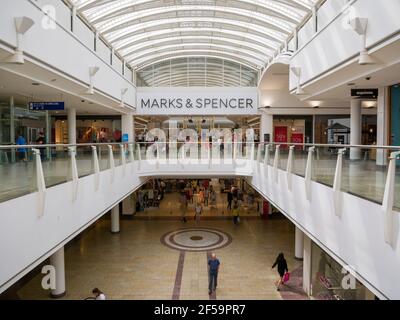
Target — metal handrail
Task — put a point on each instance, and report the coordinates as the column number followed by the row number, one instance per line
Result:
column 30, row 146
column 360, row 146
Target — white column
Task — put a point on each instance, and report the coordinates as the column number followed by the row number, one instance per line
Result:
column 71, row 126
column 307, row 265
column 299, row 244
column 266, row 126
column 115, row 219
column 57, row 261
column 382, row 125
column 355, row 128
column 129, row 205
column 127, row 126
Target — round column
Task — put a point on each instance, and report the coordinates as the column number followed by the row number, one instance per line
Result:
column 71, row 126
column 127, row 126
column 299, row 244
column 115, row 219
column 57, row 261
column 266, row 126
column 355, row 128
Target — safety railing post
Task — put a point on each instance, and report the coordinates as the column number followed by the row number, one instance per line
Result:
column 234, row 153
column 74, row 172
column 158, row 155
column 266, row 160
column 337, row 183
column 131, row 156
column 289, row 168
column 111, row 163
column 40, row 183
column 209, row 157
column 139, row 155
column 259, row 149
column 96, row 168
column 388, row 199
column 308, row 173
column 276, row 162
column 123, row 159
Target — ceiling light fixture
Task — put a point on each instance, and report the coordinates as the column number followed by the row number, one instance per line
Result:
column 123, row 92
column 297, row 72
column 22, row 25
column 92, row 73
column 359, row 25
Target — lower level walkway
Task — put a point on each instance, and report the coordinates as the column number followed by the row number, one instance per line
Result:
column 141, row 263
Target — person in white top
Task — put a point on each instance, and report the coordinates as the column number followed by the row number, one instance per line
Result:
column 98, row 294
column 197, row 212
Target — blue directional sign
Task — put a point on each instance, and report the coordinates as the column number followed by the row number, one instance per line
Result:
column 50, row 106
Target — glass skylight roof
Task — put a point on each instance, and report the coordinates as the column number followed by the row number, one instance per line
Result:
column 146, row 32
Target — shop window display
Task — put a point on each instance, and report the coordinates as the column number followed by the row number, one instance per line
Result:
column 330, row 281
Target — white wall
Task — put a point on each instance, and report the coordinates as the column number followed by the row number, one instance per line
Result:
column 26, row 239
column 356, row 239
column 71, row 53
column 336, row 43
column 282, row 102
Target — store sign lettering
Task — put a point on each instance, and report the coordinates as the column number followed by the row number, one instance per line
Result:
column 200, row 103
column 197, row 101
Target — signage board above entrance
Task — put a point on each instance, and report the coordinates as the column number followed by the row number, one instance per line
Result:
column 196, row 101
column 50, row 106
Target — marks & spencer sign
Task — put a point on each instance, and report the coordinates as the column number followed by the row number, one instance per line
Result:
column 197, row 101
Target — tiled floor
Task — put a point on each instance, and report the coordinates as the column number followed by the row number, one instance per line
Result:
column 134, row 264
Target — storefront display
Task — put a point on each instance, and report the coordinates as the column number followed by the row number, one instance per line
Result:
column 329, row 282
column 294, row 129
column 90, row 129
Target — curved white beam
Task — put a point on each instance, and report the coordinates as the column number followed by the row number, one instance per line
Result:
column 164, row 33
column 197, row 22
column 288, row 9
column 193, row 46
column 237, row 57
column 166, row 77
column 184, row 40
column 110, row 24
column 216, row 55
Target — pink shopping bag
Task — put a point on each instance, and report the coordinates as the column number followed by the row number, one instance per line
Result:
column 286, row 277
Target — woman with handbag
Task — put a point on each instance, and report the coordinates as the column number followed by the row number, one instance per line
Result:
column 282, row 270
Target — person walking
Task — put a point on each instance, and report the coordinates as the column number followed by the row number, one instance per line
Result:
column 201, row 195
column 206, row 196
column 184, row 204
column 213, row 269
column 282, row 269
column 235, row 213
column 197, row 212
column 229, row 198
column 21, row 151
column 98, row 294
column 41, row 140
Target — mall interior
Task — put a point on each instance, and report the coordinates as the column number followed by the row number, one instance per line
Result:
column 139, row 138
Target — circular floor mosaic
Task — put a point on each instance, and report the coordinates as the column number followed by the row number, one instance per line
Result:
column 196, row 239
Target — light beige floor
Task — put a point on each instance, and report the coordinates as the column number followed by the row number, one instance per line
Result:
column 135, row 265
